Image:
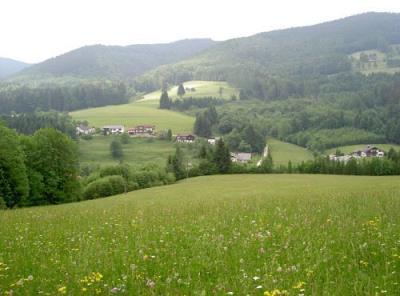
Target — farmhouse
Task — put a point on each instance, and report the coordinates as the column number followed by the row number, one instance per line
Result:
column 113, row 129
column 142, row 130
column 240, row 157
column 212, row 141
column 342, row 158
column 84, row 130
column 369, row 152
column 185, row 138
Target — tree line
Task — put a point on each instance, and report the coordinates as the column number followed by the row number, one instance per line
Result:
column 60, row 96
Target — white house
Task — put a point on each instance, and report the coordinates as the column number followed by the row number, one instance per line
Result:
column 241, row 157
column 113, row 129
column 84, row 130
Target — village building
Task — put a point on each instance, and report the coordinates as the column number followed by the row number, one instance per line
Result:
column 113, row 129
column 369, row 151
column 142, row 130
column 84, row 130
column 185, row 138
column 240, row 157
column 342, row 158
column 212, row 141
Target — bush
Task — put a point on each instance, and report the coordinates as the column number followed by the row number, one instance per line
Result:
column 108, row 186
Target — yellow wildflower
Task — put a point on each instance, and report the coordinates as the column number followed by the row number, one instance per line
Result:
column 276, row 292
column 62, row 290
column 299, row 285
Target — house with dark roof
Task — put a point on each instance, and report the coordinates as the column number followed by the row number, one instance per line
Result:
column 142, row 130
column 113, row 129
column 185, row 138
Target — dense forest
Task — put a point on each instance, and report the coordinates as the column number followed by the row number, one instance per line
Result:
column 353, row 108
column 281, row 63
column 60, row 95
column 113, row 62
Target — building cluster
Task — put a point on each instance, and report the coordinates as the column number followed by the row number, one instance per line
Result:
column 142, row 130
column 369, row 151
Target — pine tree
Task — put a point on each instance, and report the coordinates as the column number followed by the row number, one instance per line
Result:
column 202, row 126
column 181, row 90
column 169, row 135
column 177, row 166
column 165, row 102
column 116, row 149
column 212, row 115
column 222, row 157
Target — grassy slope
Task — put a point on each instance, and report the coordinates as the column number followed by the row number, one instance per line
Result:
column 203, row 89
column 213, row 235
column 282, row 152
column 352, row 148
column 136, row 152
column 135, row 113
column 381, row 63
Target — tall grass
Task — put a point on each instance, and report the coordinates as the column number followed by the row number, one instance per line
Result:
column 240, row 235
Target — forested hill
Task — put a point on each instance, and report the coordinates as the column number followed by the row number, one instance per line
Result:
column 9, row 67
column 253, row 62
column 115, row 62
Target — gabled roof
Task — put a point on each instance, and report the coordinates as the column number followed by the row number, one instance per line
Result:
column 113, row 126
column 242, row 156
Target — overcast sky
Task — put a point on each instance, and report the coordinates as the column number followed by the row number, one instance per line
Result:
column 34, row 30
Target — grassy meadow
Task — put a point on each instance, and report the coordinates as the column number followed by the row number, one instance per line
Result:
column 352, row 148
column 133, row 114
column 138, row 152
column 381, row 64
column 282, row 152
column 220, row 235
column 203, row 89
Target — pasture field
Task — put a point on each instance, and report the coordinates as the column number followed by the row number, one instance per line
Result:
column 203, row 89
column 219, row 235
column 133, row 114
column 282, row 152
column 352, row 148
column 381, row 62
column 139, row 151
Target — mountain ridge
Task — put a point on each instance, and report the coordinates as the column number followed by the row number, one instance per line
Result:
column 9, row 67
column 115, row 62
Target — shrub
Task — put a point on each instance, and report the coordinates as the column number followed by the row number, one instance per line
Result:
column 108, row 186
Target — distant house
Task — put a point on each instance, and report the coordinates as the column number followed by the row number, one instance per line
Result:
column 341, row 158
column 142, row 130
column 212, row 141
column 84, row 130
column 241, row 157
column 369, row 151
column 185, row 138
column 113, row 129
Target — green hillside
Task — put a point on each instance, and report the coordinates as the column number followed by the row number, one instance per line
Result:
column 260, row 63
column 376, row 61
column 217, row 89
column 282, row 152
column 235, row 235
column 133, row 114
column 114, row 62
column 9, row 67
column 138, row 152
